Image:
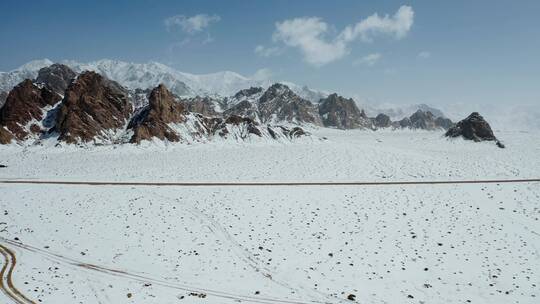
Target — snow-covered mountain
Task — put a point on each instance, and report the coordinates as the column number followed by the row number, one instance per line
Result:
column 398, row 112
column 10, row 79
column 146, row 76
column 149, row 75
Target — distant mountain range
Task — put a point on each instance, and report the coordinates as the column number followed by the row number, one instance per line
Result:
column 149, row 75
column 111, row 101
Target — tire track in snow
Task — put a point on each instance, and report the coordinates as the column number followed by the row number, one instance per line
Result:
column 6, row 277
column 145, row 279
column 244, row 254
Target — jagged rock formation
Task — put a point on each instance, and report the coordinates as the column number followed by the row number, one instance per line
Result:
column 153, row 120
column 167, row 118
column 241, row 128
column 425, row 121
column 202, row 105
column 278, row 104
column 96, row 109
column 382, row 121
column 248, row 93
column 281, row 104
column 139, row 98
column 92, row 108
column 234, row 125
column 244, row 108
column 26, row 104
column 404, row 123
column 444, row 122
column 339, row 112
column 475, row 128
column 57, row 77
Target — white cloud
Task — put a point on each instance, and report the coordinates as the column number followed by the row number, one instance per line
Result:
column 368, row 60
column 191, row 25
column 267, row 51
column 308, row 34
column 397, row 26
column 424, row 54
column 263, row 74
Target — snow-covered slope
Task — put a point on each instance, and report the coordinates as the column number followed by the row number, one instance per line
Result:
column 149, row 75
column 385, row 244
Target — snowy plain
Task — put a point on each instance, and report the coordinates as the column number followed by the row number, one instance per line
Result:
column 312, row 244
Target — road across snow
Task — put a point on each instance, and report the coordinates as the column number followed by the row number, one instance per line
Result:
column 316, row 244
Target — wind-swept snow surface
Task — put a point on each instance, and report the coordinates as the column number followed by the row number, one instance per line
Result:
column 319, row 244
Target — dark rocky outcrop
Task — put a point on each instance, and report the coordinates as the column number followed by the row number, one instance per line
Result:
column 221, row 127
column 92, row 104
column 342, row 113
column 153, row 120
column 280, row 104
column 246, row 93
column 244, row 108
column 425, row 120
column 475, row 128
column 404, row 123
column 202, row 105
column 25, row 103
column 242, row 127
column 382, row 121
column 57, row 77
column 443, row 122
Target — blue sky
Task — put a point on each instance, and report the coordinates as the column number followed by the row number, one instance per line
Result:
column 435, row 52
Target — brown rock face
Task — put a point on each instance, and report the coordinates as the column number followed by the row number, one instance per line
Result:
column 24, row 104
column 153, row 120
column 342, row 113
column 92, row 104
column 57, row 77
column 201, row 105
column 279, row 103
column 5, row 136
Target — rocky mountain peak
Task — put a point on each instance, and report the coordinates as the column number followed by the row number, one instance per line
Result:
column 57, row 77
column 242, row 94
column 424, row 120
column 24, row 104
column 382, row 121
column 279, row 103
column 152, row 121
column 278, row 90
column 92, row 107
column 342, row 113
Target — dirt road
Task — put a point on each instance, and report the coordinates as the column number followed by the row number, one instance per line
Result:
column 6, row 277
column 267, row 184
